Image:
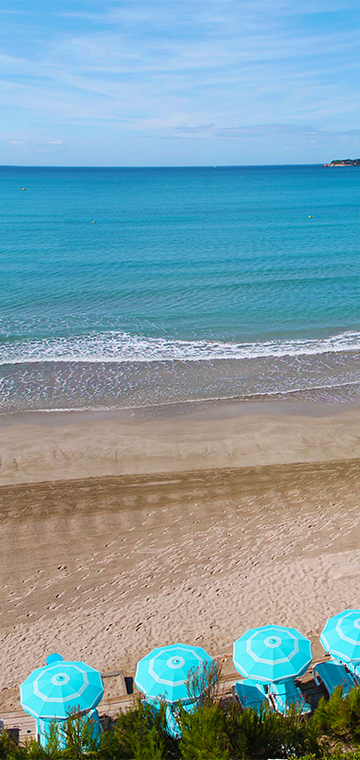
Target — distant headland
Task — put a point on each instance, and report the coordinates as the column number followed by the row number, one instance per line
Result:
column 344, row 162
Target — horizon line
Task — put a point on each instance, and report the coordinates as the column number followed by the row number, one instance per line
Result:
column 152, row 166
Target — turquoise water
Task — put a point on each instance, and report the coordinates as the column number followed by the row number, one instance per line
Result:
column 192, row 283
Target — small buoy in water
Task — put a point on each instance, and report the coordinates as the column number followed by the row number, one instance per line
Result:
column 23, row 188
column 309, row 217
column 94, row 222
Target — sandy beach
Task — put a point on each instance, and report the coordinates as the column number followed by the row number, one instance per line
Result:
column 119, row 536
column 49, row 447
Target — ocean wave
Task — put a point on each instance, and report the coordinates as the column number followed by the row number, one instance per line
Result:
column 121, row 347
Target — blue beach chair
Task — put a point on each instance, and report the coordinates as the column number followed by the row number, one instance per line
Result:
column 286, row 694
column 333, row 674
column 172, row 715
column 155, row 704
column 44, row 728
column 250, row 694
column 354, row 668
column 172, row 725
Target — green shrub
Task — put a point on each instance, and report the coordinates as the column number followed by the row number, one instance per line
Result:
column 203, row 685
column 31, row 750
column 203, row 734
column 138, row 734
column 214, row 731
column 268, row 734
column 339, row 718
column 78, row 734
column 333, row 754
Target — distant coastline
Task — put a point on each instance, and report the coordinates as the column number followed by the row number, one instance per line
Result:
column 344, row 162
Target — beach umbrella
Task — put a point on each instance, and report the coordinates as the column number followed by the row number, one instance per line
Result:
column 60, row 688
column 341, row 636
column 272, row 653
column 163, row 674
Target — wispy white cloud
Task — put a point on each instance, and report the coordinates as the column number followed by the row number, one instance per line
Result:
column 160, row 69
column 299, row 132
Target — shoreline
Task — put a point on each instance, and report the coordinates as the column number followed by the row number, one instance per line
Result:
column 157, row 387
column 291, row 402
column 37, row 447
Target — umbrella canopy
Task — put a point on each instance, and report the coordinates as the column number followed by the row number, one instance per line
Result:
column 272, row 653
column 57, row 689
column 54, row 657
column 341, row 636
column 163, row 674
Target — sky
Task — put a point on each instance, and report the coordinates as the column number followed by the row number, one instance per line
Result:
column 178, row 82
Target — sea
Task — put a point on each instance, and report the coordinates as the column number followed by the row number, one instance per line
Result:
column 139, row 288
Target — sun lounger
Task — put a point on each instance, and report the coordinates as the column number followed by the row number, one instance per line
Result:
column 354, row 668
column 45, row 725
column 333, row 674
column 286, row 694
column 171, row 715
column 250, row 694
column 172, row 726
column 173, row 718
column 155, row 704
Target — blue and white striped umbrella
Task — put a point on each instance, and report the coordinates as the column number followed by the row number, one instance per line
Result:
column 60, row 688
column 272, row 653
column 163, row 674
column 341, row 636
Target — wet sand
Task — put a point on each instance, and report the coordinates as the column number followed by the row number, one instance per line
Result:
column 61, row 447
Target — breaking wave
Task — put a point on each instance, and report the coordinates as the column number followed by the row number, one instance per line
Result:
column 121, row 347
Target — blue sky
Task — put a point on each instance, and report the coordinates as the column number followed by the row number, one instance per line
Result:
column 178, row 82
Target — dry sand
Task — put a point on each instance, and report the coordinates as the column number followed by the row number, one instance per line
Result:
column 105, row 568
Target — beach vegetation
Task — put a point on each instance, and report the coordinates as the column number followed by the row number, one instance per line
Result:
column 204, row 734
column 203, row 684
column 214, row 730
column 268, row 734
column 339, row 718
column 138, row 734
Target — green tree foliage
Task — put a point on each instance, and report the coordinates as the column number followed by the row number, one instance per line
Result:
column 339, row 718
column 350, row 161
column 29, row 751
column 77, row 733
column 268, row 734
column 203, row 685
column 216, row 730
column 138, row 734
column 203, row 734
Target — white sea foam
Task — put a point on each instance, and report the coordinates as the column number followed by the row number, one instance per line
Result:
column 121, row 347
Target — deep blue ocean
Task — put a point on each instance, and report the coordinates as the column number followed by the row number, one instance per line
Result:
column 124, row 288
